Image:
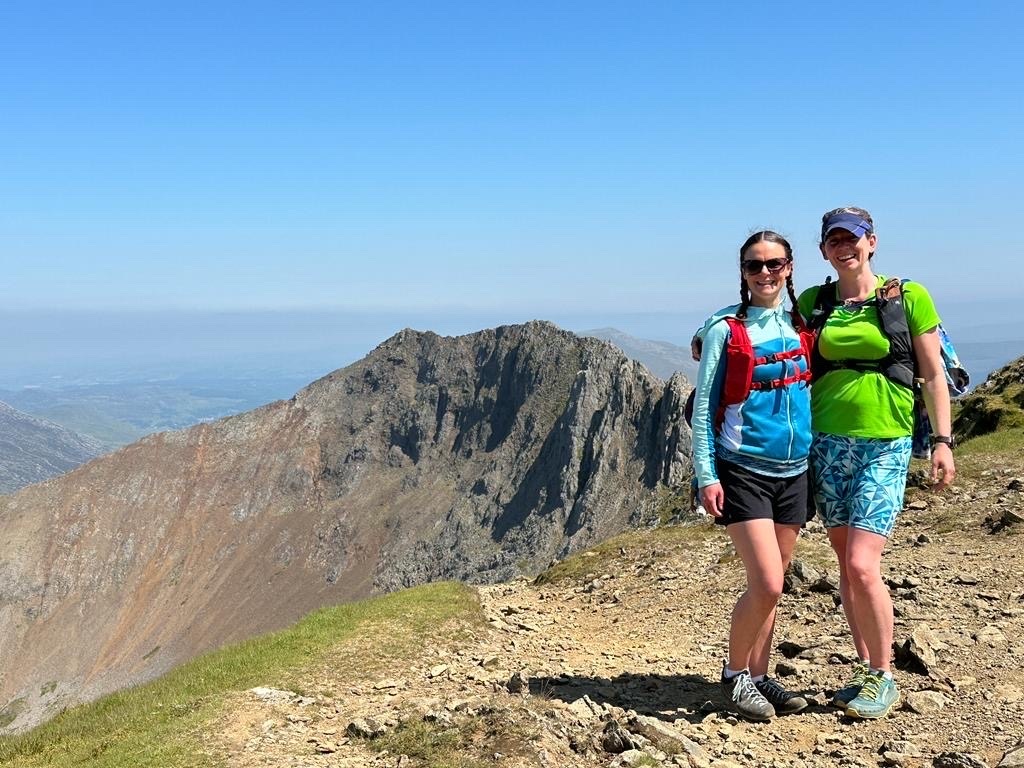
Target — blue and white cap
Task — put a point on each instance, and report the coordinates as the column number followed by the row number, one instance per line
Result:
column 851, row 222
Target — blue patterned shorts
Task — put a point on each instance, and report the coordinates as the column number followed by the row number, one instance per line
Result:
column 859, row 481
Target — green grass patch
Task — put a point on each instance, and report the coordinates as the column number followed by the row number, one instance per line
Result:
column 1003, row 441
column 672, row 503
column 996, row 407
column 468, row 743
column 437, row 745
column 161, row 724
column 816, row 552
column 947, row 520
column 603, row 556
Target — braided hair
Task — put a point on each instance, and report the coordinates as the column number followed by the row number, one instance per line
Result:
column 794, row 312
column 741, row 313
column 766, row 236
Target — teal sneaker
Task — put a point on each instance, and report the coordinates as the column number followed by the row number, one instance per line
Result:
column 851, row 690
column 876, row 698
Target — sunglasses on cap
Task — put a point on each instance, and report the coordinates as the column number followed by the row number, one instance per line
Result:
column 753, row 267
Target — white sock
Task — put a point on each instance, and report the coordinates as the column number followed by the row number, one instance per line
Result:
column 884, row 673
column 757, row 678
column 731, row 673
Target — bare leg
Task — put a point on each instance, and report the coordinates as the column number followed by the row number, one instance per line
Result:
column 872, row 604
column 839, row 538
column 785, row 537
column 758, row 545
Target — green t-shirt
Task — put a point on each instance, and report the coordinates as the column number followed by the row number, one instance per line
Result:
column 864, row 403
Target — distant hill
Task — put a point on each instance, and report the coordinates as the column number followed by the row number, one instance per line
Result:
column 477, row 458
column 33, row 449
column 661, row 358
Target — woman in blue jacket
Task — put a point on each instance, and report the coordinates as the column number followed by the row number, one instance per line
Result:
column 750, row 456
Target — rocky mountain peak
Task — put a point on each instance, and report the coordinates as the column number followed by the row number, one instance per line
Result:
column 477, row 457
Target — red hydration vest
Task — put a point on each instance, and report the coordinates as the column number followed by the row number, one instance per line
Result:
column 740, row 363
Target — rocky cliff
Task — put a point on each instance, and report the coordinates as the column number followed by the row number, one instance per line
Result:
column 477, row 458
column 33, row 449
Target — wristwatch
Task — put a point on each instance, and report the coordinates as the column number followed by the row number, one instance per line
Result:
column 947, row 439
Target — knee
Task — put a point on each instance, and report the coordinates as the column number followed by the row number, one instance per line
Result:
column 862, row 572
column 766, row 591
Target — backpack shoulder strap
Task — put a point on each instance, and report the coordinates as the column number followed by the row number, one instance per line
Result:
column 890, row 289
column 739, row 366
column 824, row 302
column 899, row 365
column 739, row 362
column 698, row 339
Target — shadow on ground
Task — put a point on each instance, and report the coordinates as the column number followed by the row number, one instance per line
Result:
column 666, row 697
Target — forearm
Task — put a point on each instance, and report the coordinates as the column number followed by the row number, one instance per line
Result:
column 703, row 437
column 703, row 458
column 934, row 388
column 936, row 400
column 705, row 405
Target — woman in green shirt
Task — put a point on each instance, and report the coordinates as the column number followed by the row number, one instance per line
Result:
column 863, row 419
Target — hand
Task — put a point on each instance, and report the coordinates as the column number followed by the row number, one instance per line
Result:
column 943, row 467
column 696, row 345
column 712, row 498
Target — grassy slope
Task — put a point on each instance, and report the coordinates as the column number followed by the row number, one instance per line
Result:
column 161, row 723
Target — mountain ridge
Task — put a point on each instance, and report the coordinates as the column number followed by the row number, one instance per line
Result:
column 477, row 457
column 662, row 358
column 33, row 449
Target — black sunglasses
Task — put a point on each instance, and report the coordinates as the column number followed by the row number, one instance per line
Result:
column 753, row 267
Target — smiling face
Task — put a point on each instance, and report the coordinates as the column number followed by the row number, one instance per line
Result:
column 765, row 285
column 846, row 252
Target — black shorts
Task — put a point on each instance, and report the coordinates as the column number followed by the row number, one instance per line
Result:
column 750, row 496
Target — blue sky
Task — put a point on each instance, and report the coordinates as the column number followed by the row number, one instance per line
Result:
column 512, row 159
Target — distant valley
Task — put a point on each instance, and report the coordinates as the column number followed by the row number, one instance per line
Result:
column 117, row 411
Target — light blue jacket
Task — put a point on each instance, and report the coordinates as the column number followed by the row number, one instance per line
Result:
column 770, row 432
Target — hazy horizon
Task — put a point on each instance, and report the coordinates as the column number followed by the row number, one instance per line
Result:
column 56, row 348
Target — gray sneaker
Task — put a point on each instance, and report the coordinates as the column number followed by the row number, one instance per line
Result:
column 745, row 698
column 785, row 702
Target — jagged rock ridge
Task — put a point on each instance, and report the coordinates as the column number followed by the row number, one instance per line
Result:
column 33, row 449
column 476, row 458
